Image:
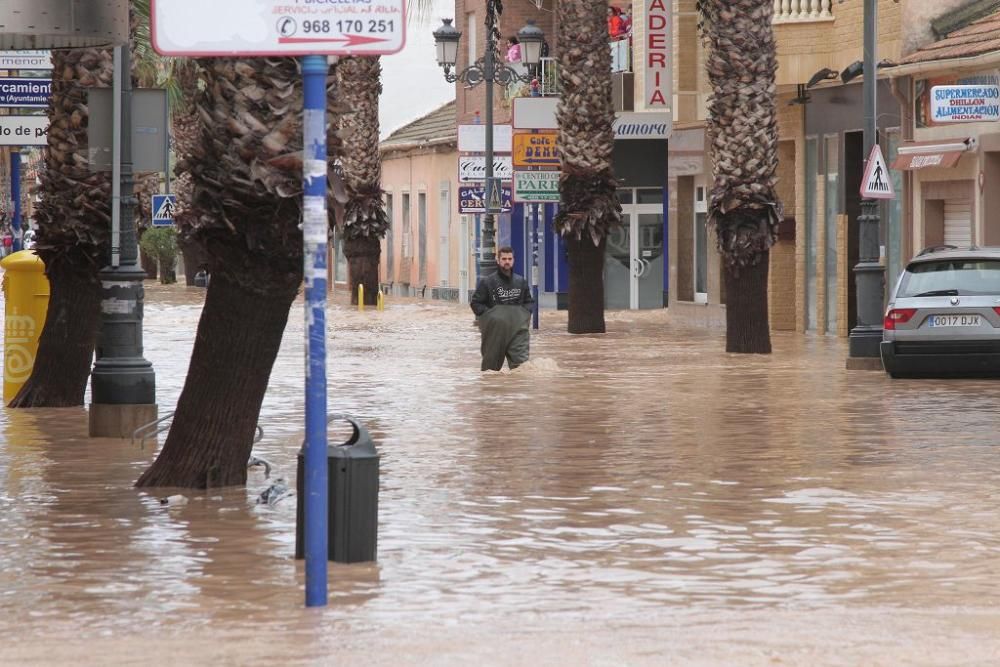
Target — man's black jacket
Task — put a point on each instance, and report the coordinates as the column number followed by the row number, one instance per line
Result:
column 501, row 290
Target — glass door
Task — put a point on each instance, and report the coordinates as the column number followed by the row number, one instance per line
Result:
column 618, row 265
column 648, row 264
column 633, row 261
column 700, row 242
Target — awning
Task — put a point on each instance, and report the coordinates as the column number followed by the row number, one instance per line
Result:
column 914, row 155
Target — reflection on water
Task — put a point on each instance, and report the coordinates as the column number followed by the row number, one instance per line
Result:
column 614, row 488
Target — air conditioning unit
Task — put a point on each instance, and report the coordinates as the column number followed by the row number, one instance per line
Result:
column 623, row 91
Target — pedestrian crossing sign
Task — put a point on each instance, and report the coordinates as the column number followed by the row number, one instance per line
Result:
column 163, row 209
column 494, row 204
column 877, row 182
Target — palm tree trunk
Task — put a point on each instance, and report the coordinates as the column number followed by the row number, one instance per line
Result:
column 747, row 327
column 66, row 348
column 363, row 259
column 237, row 342
column 73, row 219
column 590, row 208
column 194, row 260
column 743, row 136
column 586, row 285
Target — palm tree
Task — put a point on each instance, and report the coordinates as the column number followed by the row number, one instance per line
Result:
column 587, row 186
column 244, row 160
column 247, row 176
column 364, row 222
column 73, row 218
column 743, row 133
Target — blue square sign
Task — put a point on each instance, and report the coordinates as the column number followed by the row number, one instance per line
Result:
column 164, row 207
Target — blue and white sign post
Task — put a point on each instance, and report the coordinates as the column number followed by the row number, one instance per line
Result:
column 163, row 209
column 314, row 235
column 229, row 28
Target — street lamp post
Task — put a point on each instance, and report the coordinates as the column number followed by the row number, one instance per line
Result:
column 869, row 274
column 487, row 70
column 122, row 382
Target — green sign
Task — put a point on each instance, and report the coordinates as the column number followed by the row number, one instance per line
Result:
column 536, row 187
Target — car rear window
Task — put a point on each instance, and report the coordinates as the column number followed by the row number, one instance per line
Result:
column 955, row 276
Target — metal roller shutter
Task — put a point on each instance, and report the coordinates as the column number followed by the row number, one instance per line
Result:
column 958, row 222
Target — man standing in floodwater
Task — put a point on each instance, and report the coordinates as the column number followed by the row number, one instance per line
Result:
column 503, row 304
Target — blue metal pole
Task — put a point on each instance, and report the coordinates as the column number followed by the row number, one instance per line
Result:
column 15, row 193
column 534, row 266
column 314, row 237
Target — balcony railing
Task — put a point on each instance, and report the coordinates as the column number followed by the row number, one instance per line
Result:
column 621, row 55
column 799, row 11
column 550, row 77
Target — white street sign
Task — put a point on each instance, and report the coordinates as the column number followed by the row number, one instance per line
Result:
column 24, row 130
column 535, row 113
column 536, row 186
column 278, row 27
column 26, row 59
column 472, row 169
column 877, row 183
column 472, row 138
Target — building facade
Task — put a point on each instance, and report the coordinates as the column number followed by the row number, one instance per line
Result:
column 427, row 250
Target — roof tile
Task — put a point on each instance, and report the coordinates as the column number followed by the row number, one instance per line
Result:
column 438, row 124
column 979, row 37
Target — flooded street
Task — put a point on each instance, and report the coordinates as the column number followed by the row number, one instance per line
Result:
column 634, row 498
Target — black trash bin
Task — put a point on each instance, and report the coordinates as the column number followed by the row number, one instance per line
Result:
column 352, row 500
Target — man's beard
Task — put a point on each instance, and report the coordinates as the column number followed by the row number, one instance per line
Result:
column 506, row 271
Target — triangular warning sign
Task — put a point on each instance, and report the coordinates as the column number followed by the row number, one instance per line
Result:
column 495, row 203
column 877, row 182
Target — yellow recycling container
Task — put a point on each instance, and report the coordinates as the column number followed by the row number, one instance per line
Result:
column 26, row 293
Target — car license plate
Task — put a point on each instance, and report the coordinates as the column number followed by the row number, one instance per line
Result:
column 954, row 320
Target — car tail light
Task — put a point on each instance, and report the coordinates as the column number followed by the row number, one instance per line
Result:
column 996, row 309
column 898, row 316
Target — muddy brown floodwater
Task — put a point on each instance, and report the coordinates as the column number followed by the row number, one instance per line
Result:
column 633, row 498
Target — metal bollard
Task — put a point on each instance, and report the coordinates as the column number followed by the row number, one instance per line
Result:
column 361, row 298
column 353, row 470
column 380, row 301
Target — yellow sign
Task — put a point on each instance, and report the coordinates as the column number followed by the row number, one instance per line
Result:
column 540, row 149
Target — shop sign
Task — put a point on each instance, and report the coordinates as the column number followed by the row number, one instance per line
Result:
column 472, row 198
column 472, row 168
column 658, row 64
column 638, row 125
column 536, row 187
column 537, row 150
column 965, row 104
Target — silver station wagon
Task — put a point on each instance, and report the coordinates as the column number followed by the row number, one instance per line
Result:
column 944, row 316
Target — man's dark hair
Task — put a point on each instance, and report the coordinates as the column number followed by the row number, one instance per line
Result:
column 504, row 249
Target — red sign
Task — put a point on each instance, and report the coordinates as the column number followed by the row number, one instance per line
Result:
column 658, row 65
